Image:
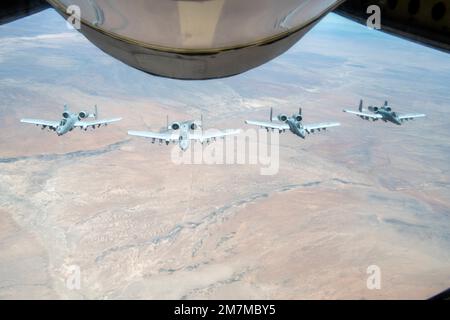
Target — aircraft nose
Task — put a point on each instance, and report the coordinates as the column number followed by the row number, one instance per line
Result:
column 184, row 145
column 303, row 134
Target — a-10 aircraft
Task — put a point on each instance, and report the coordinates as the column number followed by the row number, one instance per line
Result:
column 183, row 133
column 71, row 121
column 294, row 124
column 384, row 113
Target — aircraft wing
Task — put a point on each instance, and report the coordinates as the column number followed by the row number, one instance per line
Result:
column 310, row 128
column 165, row 136
column 98, row 123
column 44, row 123
column 365, row 115
column 268, row 125
column 212, row 135
column 410, row 116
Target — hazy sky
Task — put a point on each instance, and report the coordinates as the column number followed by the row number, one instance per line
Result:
column 335, row 51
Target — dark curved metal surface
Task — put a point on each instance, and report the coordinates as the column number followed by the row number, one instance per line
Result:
column 11, row 10
column 425, row 22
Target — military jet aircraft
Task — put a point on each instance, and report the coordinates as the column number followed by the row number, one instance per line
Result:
column 70, row 121
column 294, row 124
column 384, row 113
column 183, row 133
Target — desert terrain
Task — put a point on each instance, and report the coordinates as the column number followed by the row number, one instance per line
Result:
column 139, row 226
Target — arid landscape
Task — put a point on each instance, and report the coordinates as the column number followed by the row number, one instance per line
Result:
column 139, row 226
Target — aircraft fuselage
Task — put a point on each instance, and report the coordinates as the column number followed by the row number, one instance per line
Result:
column 184, row 141
column 296, row 127
column 390, row 116
column 67, row 124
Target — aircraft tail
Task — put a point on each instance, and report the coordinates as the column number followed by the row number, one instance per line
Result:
column 66, row 107
column 271, row 114
column 96, row 112
column 361, row 104
column 386, row 103
column 300, row 111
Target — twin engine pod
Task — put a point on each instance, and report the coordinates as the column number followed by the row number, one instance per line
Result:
column 176, row 126
column 81, row 115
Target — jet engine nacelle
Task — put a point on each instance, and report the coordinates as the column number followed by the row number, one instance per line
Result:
column 298, row 117
column 175, row 126
column 194, row 126
column 388, row 109
column 282, row 117
column 373, row 109
column 66, row 115
column 83, row 115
